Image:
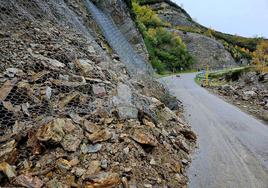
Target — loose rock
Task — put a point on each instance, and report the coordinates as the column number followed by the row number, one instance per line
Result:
column 144, row 138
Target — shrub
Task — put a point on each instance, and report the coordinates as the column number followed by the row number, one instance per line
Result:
column 261, row 54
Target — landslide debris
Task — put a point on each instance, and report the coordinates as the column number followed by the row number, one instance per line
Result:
column 71, row 118
column 246, row 89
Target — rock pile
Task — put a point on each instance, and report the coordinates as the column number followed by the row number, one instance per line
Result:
column 70, row 118
column 250, row 92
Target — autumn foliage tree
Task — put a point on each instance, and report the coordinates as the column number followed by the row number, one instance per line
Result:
column 261, row 53
column 261, row 56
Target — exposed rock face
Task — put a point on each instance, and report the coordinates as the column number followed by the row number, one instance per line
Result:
column 174, row 15
column 118, row 10
column 71, row 115
column 207, row 50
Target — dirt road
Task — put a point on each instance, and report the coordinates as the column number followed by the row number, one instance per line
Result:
column 233, row 146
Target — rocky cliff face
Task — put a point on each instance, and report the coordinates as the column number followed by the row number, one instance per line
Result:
column 207, row 51
column 71, row 115
column 174, row 15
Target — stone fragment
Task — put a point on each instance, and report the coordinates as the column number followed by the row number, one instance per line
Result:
column 29, row 181
column 148, row 123
column 94, row 148
column 124, row 93
column 72, row 141
column 249, row 94
column 176, row 166
column 184, row 161
column 91, row 50
column 146, row 185
column 55, row 183
column 75, row 161
column 84, row 148
column 227, row 88
column 11, row 72
column 125, row 182
column 102, row 180
column 89, row 126
column 85, row 66
column 39, row 75
column 98, row 91
column 144, row 138
column 9, row 106
column 188, row 134
column 123, row 103
column 52, row 63
column 6, row 88
column 99, row 136
column 7, row 170
column 63, row 164
column 66, row 100
column 127, row 112
column 152, row 162
column 78, row 172
column 48, row 92
column 53, row 131
column 165, row 115
column 126, row 150
column 61, row 131
column 34, row 143
column 182, row 145
column 7, row 150
column 93, row 168
column 104, row 164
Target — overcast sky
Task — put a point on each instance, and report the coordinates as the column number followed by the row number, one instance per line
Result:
column 243, row 17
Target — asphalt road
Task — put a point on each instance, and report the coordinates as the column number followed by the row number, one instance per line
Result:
column 232, row 145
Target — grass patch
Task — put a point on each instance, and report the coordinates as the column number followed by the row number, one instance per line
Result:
column 230, row 74
column 199, row 78
column 224, row 72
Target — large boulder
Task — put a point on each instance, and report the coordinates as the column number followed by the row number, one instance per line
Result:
column 123, row 103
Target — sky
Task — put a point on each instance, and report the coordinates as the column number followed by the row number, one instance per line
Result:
column 242, row 17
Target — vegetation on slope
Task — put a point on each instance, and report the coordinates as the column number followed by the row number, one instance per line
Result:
column 239, row 47
column 166, row 50
column 260, row 56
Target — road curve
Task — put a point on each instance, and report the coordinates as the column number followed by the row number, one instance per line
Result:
column 232, row 145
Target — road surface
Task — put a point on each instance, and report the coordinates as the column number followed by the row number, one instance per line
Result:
column 232, row 145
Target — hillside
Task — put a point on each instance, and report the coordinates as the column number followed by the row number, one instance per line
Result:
column 206, row 45
column 78, row 104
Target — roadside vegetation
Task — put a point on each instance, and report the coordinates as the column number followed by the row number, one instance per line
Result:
column 260, row 57
column 166, row 50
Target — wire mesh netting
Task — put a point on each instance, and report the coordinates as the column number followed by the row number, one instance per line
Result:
column 42, row 75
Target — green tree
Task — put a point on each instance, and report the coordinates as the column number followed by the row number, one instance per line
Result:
column 166, row 50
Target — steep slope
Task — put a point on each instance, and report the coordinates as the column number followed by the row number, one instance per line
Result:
column 172, row 13
column 121, row 16
column 237, row 50
column 71, row 114
column 205, row 50
column 118, row 42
